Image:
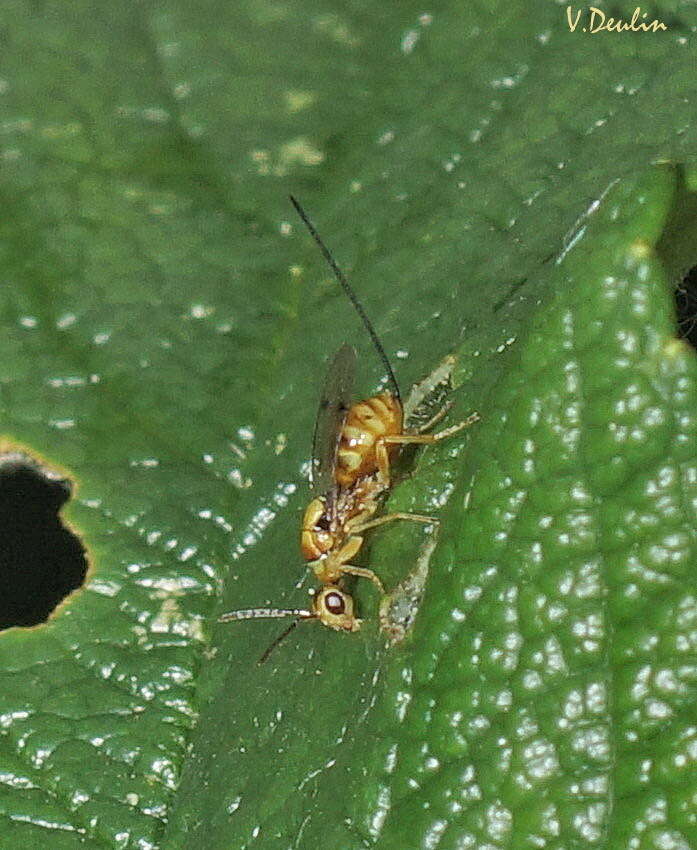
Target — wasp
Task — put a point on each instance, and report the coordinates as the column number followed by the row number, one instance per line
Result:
column 354, row 446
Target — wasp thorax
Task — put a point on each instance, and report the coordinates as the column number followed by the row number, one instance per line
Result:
column 316, row 539
column 334, row 608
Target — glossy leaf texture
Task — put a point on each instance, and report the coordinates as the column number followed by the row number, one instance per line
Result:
column 546, row 696
column 165, row 328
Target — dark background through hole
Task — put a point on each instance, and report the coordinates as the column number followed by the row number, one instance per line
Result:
column 41, row 561
column 686, row 303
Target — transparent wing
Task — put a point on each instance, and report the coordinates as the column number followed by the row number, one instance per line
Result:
column 333, row 407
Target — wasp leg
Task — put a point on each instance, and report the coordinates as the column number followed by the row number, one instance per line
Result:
column 406, row 439
column 358, row 522
column 382, row 459
column 362, row 572
column 435, row 419
column 381, row 520
column 328, row 569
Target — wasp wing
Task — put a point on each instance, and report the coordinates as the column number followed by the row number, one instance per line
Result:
column 333, row 407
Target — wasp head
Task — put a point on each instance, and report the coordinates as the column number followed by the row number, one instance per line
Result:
column 334, row 608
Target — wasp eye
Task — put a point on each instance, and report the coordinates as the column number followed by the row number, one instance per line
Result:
column 334, row 603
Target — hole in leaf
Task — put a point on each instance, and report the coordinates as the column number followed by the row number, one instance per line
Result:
column 686, row 304
column 41, row 561
column 677, row 250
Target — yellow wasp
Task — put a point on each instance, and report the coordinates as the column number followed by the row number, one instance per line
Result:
column 354, row 445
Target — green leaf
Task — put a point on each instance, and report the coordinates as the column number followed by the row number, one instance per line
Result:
column 554, row 647
column 549, row 690
column 164, row 341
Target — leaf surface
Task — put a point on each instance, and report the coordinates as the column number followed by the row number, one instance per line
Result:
column 165, row 328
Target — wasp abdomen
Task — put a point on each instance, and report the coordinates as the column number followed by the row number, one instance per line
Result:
column 365, row 423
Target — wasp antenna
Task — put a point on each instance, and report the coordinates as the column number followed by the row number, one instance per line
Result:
column 275, row 642
column 266, row 614
column 339, row 275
